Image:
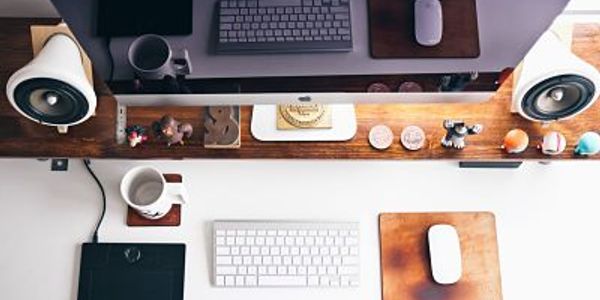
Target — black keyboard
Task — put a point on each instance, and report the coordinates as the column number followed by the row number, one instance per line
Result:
column 283, row 26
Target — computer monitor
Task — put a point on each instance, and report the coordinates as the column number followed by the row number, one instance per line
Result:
column 506, row 31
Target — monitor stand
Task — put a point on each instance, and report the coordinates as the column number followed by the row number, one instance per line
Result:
column 264, row 126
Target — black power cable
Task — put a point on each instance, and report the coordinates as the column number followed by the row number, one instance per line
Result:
column 111, row 60
column 86, row 163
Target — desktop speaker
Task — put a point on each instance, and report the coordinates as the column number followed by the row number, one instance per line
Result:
column 551, row 83
column 53, row 88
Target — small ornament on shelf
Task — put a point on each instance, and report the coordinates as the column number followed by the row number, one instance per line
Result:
column 457, row 131
column 412, row 138
column 136, row 135
column 553, row 143
column 515, row 141
column 588, row 144
column 222, row 127
column 171, row 130
column 381, row 137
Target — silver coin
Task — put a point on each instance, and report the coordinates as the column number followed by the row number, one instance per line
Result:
column 412, row 138
column 381, row 137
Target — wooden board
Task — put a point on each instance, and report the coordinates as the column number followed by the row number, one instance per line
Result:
column 95, row 138
column 405, row 267
column 172, row 218
column 391, row 28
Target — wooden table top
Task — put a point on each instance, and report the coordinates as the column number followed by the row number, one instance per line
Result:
column 95, row 138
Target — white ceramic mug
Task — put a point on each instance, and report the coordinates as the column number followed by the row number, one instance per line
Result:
column 146, row 190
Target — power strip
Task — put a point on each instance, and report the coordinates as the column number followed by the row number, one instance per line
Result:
column 121, row 124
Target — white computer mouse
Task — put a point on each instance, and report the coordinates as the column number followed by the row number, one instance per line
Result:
column 444, row 253
column 429, row 23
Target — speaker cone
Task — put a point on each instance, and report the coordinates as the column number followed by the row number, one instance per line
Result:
column 558, row 97
column 51, row 101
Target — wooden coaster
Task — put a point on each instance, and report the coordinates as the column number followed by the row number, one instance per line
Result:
column 172, row 218
column 405, row 266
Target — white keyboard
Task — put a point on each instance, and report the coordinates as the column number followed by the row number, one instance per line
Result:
column 285, row 254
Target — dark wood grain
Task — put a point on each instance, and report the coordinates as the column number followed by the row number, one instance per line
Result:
column 391, row 30
column 405, row 262
column 20, row 137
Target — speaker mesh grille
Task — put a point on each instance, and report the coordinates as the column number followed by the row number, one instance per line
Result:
column 577, row 85
column 51, row 101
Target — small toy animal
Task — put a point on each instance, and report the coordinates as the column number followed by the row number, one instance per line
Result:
column 457, row 131
column 588, row 144
column 553, row 143
column 515, row 141
column 136, row 135
column 172, row 130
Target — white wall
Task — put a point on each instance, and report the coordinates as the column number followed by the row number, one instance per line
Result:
column 27, row 8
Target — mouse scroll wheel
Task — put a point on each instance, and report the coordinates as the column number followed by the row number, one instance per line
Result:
column 132, row 254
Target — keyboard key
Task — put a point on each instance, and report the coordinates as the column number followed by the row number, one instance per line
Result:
column 239, row 280
column 224, row 260
column 223, row 251
column 242, row 270
column 282, row 280
column 226, row 270
column 229, row 280
column 220, row 280
column 251, row 281
column 350, row 260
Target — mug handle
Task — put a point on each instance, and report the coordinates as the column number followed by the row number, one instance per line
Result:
column 182, row 63
column 177, row 190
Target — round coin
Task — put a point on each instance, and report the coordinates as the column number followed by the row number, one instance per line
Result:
column 381, row 137
column 412, row 138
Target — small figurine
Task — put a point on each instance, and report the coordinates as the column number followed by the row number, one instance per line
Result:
column 456, row 131
column 136, row 135
column 588, row 144
column 172, row 130
column 515, row 141
column 553, row 143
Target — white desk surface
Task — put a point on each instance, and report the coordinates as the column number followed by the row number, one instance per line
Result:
column 547, row 218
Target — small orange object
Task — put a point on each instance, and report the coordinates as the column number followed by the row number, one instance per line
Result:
column 515, row 141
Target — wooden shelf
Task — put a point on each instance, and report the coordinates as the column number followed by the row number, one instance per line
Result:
column 20, row 137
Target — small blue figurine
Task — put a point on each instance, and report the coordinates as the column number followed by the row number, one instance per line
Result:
column 589, row 144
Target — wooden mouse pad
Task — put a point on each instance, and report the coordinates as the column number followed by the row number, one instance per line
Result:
column 392, row 30
column 405, row 267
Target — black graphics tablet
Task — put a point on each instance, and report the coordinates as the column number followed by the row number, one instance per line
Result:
column 136, row 17
column 131, row 272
